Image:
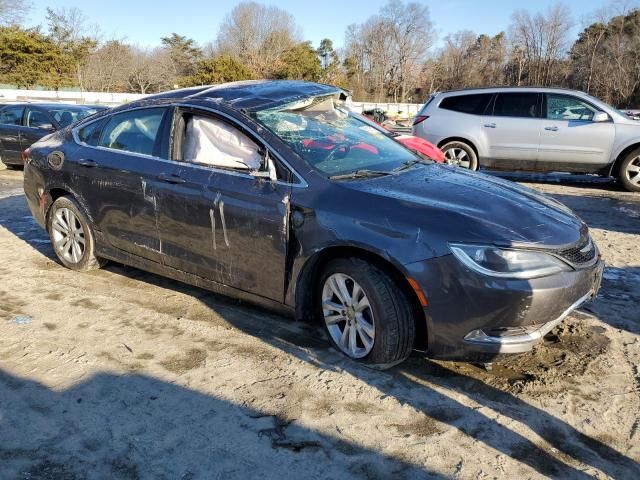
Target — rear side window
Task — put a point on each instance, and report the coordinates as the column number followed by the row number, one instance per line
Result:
column 517, row 104
column 91, row 133
column 134, row 131
column 38, row 119
column 474, row 103
column 11, row 115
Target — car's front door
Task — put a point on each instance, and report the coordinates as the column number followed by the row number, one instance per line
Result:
column 569, row 139
column 10, row 134
column 225, row 224
column 37, row 124
column 512, row 130
column 118, row 170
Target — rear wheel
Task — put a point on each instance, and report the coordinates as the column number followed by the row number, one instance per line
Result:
column 460, row 154
column 366, row 316
column 71, row 236
column 629, row 171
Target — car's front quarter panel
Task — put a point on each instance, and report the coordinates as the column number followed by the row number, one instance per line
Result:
column 461, row 301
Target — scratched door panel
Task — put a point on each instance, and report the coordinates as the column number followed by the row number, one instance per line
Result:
column 229, row 228
column 119, row 192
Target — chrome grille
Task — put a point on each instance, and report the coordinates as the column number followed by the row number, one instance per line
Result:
column 580, row 253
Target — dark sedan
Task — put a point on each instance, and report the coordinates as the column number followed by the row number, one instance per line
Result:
column 22, row 124
column 271, row 192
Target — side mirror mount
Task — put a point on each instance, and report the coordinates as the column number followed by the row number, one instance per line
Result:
column 600, row 117
column 268, row 170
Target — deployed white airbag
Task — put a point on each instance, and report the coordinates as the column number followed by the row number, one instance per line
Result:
column 211, row 142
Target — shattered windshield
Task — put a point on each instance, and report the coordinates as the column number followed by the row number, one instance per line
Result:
column 331, row 140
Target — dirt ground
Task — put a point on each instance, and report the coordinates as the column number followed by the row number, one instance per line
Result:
column 123, row 374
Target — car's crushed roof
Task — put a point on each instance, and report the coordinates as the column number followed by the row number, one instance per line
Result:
column 253, row 95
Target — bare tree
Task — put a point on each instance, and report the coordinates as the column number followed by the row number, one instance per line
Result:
column 386, row 53
column 13, row 11
column 258, row 35
column 542, row 39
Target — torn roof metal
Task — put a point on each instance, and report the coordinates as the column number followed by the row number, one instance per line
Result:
column 254, row 95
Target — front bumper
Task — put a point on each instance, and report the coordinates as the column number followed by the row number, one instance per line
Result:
column 474, row 317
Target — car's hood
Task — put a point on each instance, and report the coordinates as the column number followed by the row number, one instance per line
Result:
column 450, row 204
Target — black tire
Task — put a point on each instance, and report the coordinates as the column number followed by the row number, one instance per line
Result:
column 629, row 179
column 470, row 154
column 87, row 260
column 391, row 312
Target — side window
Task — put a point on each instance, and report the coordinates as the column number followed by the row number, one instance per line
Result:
column 133, row 131
column 11, row 115
column 90, row 134
column 212, row 142
column 517, row 104
column 474, row 103
column 566, row 107
column 38, row 119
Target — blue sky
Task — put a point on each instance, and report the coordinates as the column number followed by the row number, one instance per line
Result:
column 145, row 21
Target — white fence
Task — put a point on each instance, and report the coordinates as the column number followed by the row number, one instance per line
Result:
column 15, row 95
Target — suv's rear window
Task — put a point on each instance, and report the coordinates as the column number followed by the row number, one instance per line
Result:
column 473, row 103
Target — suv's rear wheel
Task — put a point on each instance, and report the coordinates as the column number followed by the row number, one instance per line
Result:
column 366, row 315
column 71, row 236
column 460, row 154
column 629, row 171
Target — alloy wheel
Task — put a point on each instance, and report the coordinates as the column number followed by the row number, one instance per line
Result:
column 68, row 235
column 457, row 156
column 348, row 315
column 633, row 171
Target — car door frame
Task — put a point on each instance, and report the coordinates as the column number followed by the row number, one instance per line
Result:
column 578, row 158
column 143, row 189
column 211, row 220
column 489, row 123
column 13, row 157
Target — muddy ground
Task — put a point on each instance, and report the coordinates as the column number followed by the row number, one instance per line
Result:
column 122, row 374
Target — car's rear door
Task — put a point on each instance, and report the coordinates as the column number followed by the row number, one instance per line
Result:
column 37, row 124
column 226, row 225
column 10, row 134
column 569, row 139
column 117, row 171
column 512, row 130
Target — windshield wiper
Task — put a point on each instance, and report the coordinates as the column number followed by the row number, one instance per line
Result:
column 407, row 165
column 360, row 174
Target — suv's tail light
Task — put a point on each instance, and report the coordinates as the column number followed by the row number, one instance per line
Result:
column 419, row 119
column 25, row 156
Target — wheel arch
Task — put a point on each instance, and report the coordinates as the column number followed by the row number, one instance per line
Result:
column 307, row 283
column 613, row 168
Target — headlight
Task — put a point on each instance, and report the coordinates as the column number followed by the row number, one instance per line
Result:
column 507, row 263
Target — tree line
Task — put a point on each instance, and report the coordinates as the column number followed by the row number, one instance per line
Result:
column 390, row 56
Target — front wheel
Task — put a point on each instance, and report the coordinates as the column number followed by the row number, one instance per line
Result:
column 366, row 315
column 71, row 236
column 460, row 154
column 629, row 172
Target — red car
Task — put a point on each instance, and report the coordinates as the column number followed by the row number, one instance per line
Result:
column 415, row 144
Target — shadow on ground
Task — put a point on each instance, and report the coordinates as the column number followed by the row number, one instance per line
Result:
column 47, row 431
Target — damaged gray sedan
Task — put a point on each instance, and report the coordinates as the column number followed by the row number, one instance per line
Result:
column 272, row 193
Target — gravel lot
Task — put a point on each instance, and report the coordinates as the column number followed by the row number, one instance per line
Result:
column 123, row 374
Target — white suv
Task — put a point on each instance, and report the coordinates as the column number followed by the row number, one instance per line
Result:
column 533, row 129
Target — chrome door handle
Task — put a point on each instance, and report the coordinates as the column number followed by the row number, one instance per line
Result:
column 171, row 178
column 87, row 163
column 490, row 125
column 552, row 129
